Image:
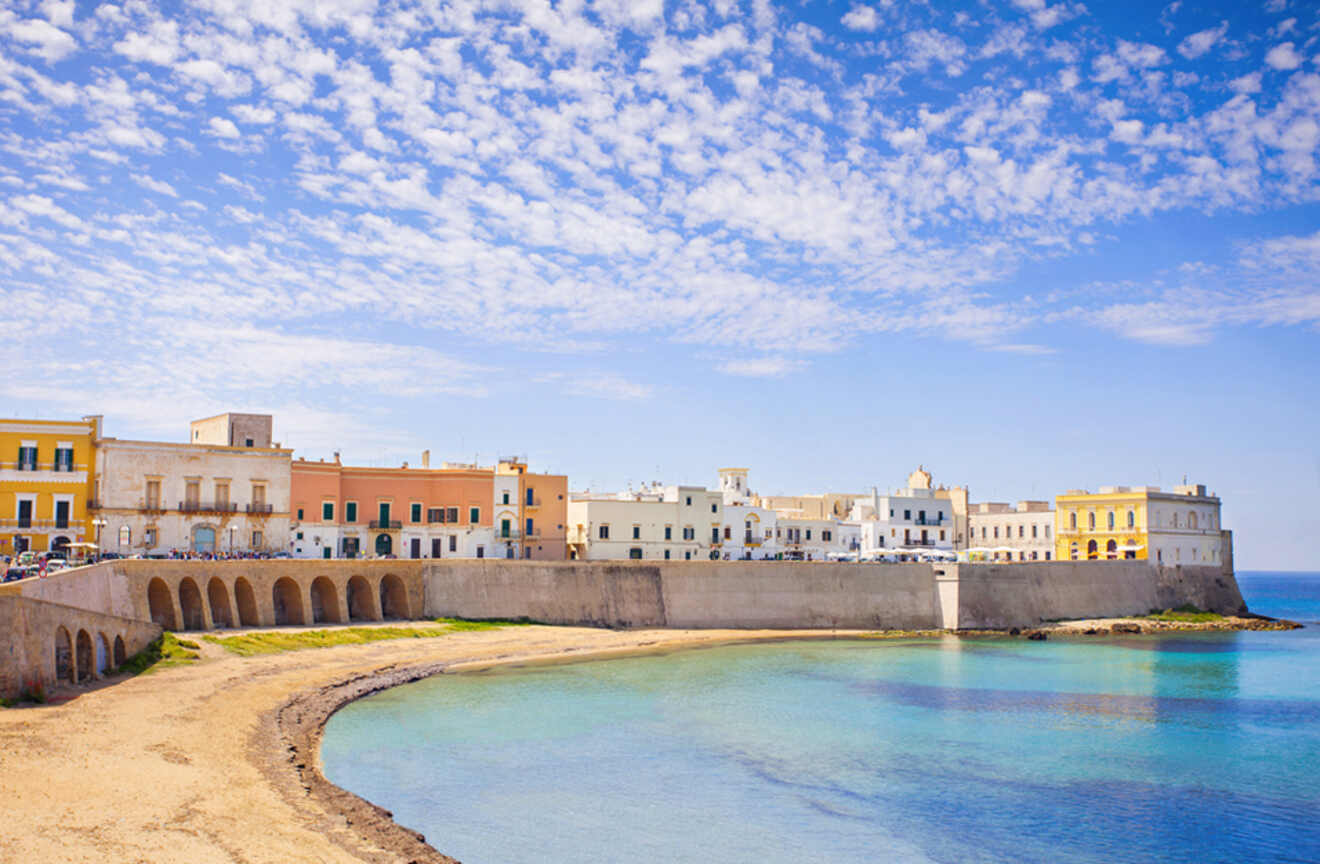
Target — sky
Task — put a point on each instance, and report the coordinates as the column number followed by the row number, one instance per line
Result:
column 1033, row 246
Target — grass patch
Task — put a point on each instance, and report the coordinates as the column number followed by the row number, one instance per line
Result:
column 164, row 651
column 251, row 644
column 1187, row 614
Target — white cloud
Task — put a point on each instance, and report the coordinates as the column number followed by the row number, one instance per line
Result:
column 1200, row 42
column 158, row 186
column 863, row 18
column 1283, row 57
column 223, row 127
column 760, row 367
column 42, row 38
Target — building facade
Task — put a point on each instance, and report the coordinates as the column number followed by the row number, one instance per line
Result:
column 671, row 523
column 998, row 531
column 454, row 511
column 1141, row 522
column 911, row 520
column 161, row 498
column 46, row 471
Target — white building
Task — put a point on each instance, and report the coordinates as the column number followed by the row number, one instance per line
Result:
column 155, row 498
column 674, row 523
column 1184, row 526
column 998, row 531
column 908, row 521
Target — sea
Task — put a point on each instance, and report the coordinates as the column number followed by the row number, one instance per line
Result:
column 1177, row 748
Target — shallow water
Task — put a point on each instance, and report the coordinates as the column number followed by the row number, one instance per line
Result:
column 1178, row 748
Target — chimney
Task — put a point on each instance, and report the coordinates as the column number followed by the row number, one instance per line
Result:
column 405, row 464
column 426, row 458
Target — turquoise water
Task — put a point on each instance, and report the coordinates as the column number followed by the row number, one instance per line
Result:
column 1134, row 749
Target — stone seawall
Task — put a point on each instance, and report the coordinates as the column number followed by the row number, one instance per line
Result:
column 204, row 595
column 50, row 642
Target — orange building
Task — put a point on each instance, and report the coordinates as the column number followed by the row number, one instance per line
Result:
column 455, row 511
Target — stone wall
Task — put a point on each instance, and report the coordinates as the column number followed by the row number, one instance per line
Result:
column 45, row 641
column 1007, row 595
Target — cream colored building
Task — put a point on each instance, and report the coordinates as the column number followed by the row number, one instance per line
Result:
column 1005, row 532
column 674, row 523
column 156, row 497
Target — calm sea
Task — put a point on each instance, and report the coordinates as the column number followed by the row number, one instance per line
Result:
column 1137, row 749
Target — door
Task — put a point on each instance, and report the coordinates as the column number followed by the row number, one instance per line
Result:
column 435, row 547
column 416, row 547
column 203, row 540
column 383, row 544
column 61, row 514
column 325, row 552
column 504, row 527
column 384, row 515
column 24, row 514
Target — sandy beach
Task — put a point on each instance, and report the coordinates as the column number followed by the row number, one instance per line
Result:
column 217, row 761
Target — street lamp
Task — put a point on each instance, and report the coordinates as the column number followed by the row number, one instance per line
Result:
column 98, row 523
column 231, row 540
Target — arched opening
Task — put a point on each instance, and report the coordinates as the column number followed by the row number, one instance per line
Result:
column 288, row 602
column 325, row 601
column 1090, row 521
column 393, row 597
column 1072, row 521
column 63, row 655
column 218, row 596
column 120, row 654
column 1132, row 519
column 190, row 604
column 84, row 665
column 1131, row 551
column 1111, row 549
column 102, row 654
column 1110, row 517
column 361, row 605
column 1091, row 549
column 60, row 544
column 161, row 604
column 383, row 544
column 246, row 599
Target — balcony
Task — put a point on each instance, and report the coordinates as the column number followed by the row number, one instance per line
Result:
column 916, row 541
column 261, row 509
column 146, row 506
column 35, row 524
column 532, row 503
column 385, row 524
column 935, row 522
column 511, row 534
column 207, row 507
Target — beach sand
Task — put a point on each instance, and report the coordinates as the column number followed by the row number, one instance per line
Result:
column 218, row 760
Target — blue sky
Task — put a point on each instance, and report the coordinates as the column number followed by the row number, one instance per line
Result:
column 1031, row 245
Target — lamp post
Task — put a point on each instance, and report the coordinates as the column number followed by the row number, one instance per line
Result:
column 98, row 523
column 231, row 540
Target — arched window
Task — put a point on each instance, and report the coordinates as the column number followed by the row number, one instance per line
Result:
column 1132, row 519
column 1072, row 520
column 1091, row 549
column 1111, row 549
column 1090, row 520
column 1111, row 520
column 125, row 536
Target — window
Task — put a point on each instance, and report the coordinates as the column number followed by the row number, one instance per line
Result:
column 982, row 532
column 350, row 511
column 64, row 458
column 941, row 533
column 669, row 533
column 687, row 556
column 531, row 497
column 714, row 535
column 453, row 543
column 1047, row 532
column 1072, row 521
column 256, row 539
column 327, row 511
column 222, row 494
column 1047, row 556
column 416, row 513
column 435, row 514
column 921, row 515
column 27, row 458
column 604, row 532
column 481, row 551
column 1132, row 519
column 474, row 515
column 826, row 536
column 530, row 531
column 666, row 554
column 451, row 516
column 125, row 536
column 300, row 514
column 153, row 494
column 996, row 532
column 907, row 514
column 726, row 532
column 1033, row 531
column 1110, row 521
column 637, row 532
column 714, row 508
column 689, row 533
column 689, row 501
column 506, row 498
column 635, row 553
column 808, row 533
column 1021, row 531
column 1033, row 555
column 149, row 536
column 1090, row 520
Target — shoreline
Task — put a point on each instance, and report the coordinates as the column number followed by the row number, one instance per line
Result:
column 219, row 760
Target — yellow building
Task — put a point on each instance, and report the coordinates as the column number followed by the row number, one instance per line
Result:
column 46, row 477
column 1139, row 522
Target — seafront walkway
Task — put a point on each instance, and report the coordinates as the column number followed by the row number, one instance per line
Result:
column 189, row 764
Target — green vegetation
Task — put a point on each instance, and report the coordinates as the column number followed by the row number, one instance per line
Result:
column 249, row 644
column 162, row 652
column 1188, row 614
column 468, row 624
